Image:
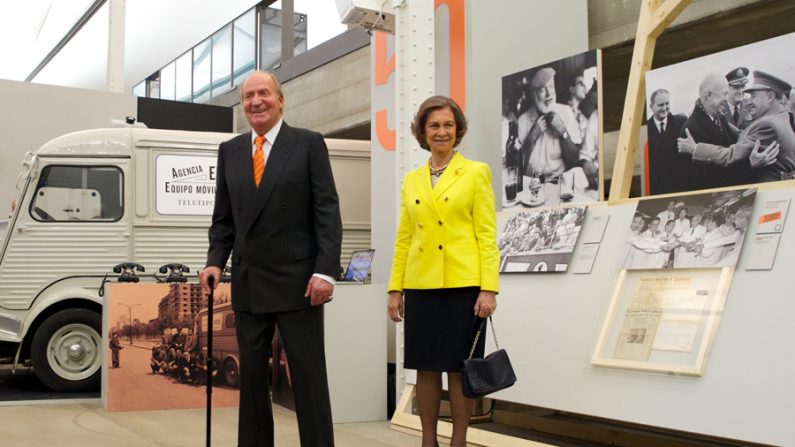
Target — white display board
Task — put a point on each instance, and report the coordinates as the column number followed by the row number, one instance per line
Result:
column 185, row 184
column 550, row 323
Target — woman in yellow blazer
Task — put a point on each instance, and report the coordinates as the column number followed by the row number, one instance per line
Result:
column 446, row 262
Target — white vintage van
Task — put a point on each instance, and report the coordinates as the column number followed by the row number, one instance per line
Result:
column 86, row 202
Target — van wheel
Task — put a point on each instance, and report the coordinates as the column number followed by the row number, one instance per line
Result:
column 231, row 374
column 66, row 350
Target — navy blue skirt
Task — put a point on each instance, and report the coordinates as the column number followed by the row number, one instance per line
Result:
column 439, row 328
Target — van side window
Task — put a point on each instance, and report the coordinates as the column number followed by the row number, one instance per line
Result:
column 78, row 193
column 230, row 320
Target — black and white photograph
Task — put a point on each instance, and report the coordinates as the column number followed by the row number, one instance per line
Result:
column 538, row 241
column 700, row 230
column 725, row 119
column 550, row 133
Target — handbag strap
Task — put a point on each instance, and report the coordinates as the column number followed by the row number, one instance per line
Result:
column 477, row 336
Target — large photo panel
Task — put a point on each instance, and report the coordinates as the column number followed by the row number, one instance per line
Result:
column 551, row 130
column 725, row 119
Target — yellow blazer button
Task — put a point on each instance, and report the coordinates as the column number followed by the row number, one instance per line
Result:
column 440, row 246
column 421, row 250
column 417, row 201
column 446, row 198
column 440, row 223
column 421, row 225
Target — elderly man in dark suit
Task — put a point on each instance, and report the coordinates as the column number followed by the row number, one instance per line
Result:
column 707, row 125
column 734, row 109
column 767, row 144
column 277, row 214
column 669, row 171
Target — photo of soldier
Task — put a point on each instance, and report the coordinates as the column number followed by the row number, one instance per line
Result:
column 738, row 127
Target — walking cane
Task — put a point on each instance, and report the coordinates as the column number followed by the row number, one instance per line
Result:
column 209, row 377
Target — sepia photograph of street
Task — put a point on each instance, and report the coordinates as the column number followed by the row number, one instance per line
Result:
column 155, row 339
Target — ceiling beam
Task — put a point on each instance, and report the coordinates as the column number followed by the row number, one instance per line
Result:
column 66, row 38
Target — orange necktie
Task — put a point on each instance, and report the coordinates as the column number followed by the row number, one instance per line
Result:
column 259, row 160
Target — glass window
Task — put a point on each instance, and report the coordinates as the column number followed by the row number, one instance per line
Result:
column 270, row 38
column 153, row 84
column 184, row 72
column 201, row 71
column 321, row 22
column 299, row 32
column 140, row 89
column 244, row 46
column 78, row 193
column 222, row 60
column 168, row 81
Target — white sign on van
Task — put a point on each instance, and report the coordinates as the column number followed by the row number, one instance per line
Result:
column 217, row 320
column 185, row 184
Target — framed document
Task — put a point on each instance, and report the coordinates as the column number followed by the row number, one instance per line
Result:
column 663, row 321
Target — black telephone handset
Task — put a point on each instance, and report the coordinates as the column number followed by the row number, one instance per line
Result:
column 126, row 271
column 226, row 274
column 174, row 268
column 176, row 272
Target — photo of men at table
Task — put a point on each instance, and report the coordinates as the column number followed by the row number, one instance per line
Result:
column 702, row 230
column 550, row 133
column 538, row 241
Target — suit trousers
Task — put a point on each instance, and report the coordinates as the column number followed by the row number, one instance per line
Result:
column 302, row 334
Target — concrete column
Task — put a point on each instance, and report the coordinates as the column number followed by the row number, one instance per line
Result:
column 116, row 21
column 415, row 70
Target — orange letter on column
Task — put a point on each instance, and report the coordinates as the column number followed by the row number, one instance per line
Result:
column 458, row 68
column 383, row 68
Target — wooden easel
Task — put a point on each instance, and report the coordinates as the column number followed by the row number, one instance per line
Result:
column 655, row 16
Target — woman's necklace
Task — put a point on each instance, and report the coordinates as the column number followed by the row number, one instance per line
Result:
column 438, row 171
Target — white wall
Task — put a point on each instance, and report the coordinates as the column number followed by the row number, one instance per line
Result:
column 549, row 324
column 33, row 114
column 504, row 38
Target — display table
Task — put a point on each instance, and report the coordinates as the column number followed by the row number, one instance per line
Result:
column 551, row 191
column 356, row 352
column 355, row 339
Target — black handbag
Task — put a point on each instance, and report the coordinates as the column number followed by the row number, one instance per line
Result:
column 480, row 377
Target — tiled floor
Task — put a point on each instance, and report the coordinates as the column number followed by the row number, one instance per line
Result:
column 86, row 424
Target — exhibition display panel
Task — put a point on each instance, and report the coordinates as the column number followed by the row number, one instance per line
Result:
column 655, row 313
column 149, row 377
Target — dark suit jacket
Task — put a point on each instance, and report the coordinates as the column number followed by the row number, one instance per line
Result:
column 282, row 232
column 704, row 130
column 742, row 115
column 668, row 169
column 771, row 126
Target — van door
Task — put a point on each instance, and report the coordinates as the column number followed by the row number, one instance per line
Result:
column 73, row 223
column 23, row 180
